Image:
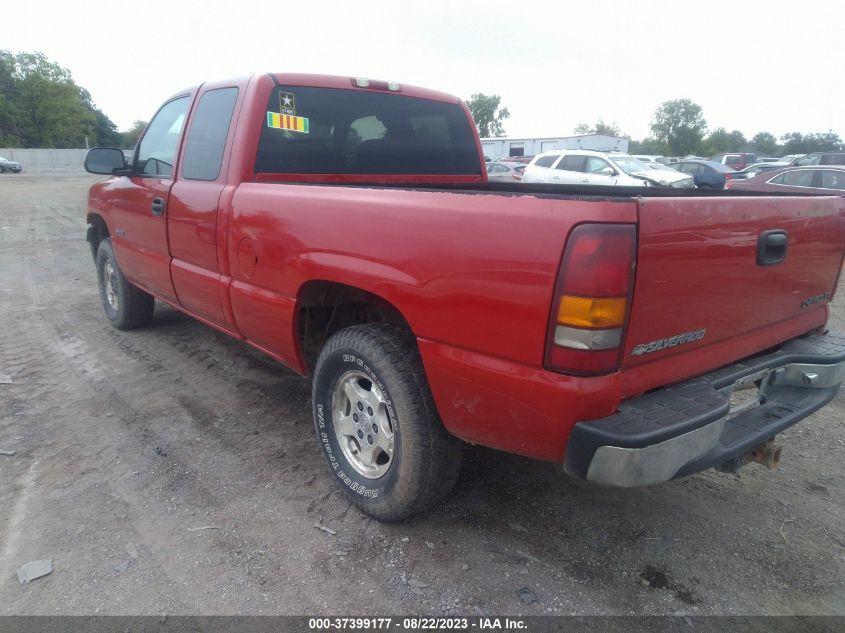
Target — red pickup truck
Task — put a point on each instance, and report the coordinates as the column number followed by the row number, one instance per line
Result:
column 346, row 228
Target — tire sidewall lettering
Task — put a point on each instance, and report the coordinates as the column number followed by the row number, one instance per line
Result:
column 103, row 259
column 366, row 490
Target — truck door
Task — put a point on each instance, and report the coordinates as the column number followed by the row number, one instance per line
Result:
column 194, row 201
column 139, row 205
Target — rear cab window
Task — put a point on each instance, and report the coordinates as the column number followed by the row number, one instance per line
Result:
column 334, row 131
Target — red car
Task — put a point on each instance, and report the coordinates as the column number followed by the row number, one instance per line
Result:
column 829, row 179
column 737, row 161
column 345, row 227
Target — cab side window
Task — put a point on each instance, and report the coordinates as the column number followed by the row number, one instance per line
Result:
column 157, row 149
column 545, row 161
column 207, row 137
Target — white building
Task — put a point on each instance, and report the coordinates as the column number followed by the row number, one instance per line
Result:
column 495, row 148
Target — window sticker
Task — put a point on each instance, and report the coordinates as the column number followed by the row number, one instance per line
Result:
column 287, row 103
column 287, row 122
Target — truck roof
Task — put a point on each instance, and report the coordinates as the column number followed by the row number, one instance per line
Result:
column 345, row 82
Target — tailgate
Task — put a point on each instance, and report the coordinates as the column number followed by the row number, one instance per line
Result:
column 699, row 283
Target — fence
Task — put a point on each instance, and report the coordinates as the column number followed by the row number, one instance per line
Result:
column 66, row 160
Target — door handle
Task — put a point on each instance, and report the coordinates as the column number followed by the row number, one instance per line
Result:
column 585, row 180
column 771, row 247
column 158, row 206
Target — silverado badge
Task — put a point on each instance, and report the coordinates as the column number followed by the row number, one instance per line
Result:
column 665, row 343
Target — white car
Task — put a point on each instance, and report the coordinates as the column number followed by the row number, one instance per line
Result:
column 585, row 167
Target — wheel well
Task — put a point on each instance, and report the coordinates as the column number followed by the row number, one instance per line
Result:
column 325, row 307
column 97, row 232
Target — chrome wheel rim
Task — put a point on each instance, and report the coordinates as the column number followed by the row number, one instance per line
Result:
column 109, row 282
column 362, row 424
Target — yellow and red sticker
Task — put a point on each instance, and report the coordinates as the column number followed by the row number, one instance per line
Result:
column 287, row 122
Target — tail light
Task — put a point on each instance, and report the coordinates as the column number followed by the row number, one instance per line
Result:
column 729, row 176
column 592, row 299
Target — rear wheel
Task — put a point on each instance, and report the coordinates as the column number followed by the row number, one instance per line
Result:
column 126, row 306
column 377, row 424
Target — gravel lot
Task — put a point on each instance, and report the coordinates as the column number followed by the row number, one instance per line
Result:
column 174, row 470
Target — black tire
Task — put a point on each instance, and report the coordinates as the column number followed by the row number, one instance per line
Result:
column 133, row 308
column 426, row 459
column 705, row 186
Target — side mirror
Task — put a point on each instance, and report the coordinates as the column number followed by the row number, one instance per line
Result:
column 608, row 171
column 104, row 160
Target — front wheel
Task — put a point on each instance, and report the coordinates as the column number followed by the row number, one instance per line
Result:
column 377, row 423
column 126, row 306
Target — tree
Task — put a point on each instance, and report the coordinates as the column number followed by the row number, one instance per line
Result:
column 680, row 125
column 720, row 141
column 765, row 144
column 487, row 114
column 129, row 138
column 105, row 131
column 793, row 143
column 650, row 146
column 52, row 111
column 8, row 107
column 824, row 142
column 797, row 143
column 41, row 105
column 611, row 129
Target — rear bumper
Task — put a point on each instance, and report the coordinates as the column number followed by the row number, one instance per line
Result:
column 689, row 427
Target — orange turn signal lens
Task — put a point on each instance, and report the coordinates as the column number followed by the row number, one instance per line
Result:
column 591, row 312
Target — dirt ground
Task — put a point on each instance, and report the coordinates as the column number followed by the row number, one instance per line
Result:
column 174, row 470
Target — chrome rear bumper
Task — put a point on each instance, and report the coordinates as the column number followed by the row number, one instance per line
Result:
column 686, row 428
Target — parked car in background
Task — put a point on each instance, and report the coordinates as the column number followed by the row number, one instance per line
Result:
column 586, row 167
column 707, row 174
column 653, row 164
column 815, row 179
column 505, row 171
column 519, row 159
column 759, row 168
column 10, row 165
column 653, row 158
column 820, row 158
column 735, row 161
column 790, row 158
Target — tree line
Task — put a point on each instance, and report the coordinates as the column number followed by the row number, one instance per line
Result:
column 42, row 106
column 678, row 128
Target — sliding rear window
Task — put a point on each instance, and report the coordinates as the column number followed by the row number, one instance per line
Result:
column 332, row 131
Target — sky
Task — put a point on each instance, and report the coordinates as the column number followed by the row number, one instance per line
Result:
column 753, row 66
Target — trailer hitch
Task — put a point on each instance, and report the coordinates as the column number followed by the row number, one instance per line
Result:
column 768, row 454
